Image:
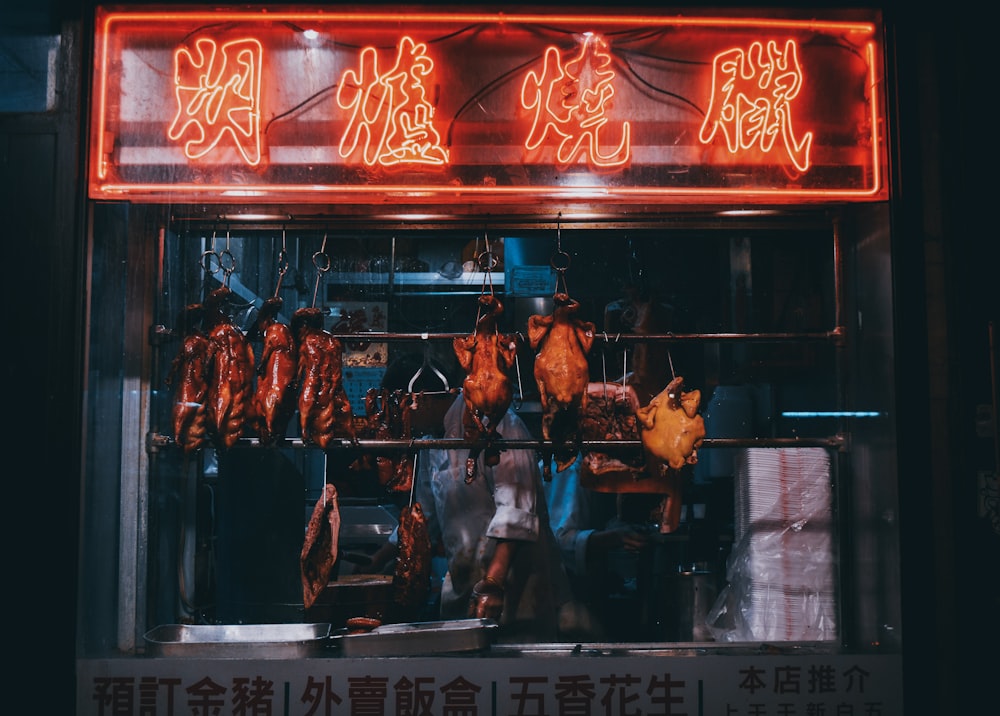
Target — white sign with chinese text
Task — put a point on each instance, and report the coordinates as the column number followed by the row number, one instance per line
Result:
column 690, row 685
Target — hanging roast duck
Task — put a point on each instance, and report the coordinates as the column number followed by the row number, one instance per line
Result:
column 562, row 374
column 324, row 409
column 189, row 376
column 488, row 358
column 274, row 399
column 231, row 381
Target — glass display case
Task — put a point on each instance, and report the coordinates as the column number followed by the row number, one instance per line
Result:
column 749, row 313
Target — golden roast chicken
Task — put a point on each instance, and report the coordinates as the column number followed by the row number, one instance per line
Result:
column 671, row 431
column 670, row 427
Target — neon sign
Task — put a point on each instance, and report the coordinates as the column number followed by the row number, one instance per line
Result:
column 752, row 99
column 391, row 118
column 571, row 105
column 443, row 107
column 218, row 94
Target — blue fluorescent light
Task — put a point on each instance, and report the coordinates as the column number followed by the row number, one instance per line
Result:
column 832, row 414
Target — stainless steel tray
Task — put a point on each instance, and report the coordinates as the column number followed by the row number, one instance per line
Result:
column 459, row 635
column 238, row 641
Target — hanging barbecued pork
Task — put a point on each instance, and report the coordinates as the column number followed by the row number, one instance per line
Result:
column 609, row 414
column 324, row 409
column 320, row 549
column 488, row 358
column 230, row 384
column 189, row 376
column 274, row 400
column 412, row 579
column 562, row 374
column 387, row 417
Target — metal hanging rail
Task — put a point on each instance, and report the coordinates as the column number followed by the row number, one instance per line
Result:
column 156, row 441
column 161, row 332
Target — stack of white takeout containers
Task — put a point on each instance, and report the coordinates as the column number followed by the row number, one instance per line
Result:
column 783, row 564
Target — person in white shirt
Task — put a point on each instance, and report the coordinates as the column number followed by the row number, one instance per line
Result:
column 503, row 561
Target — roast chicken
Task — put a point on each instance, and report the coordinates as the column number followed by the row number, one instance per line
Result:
column 562, row 374
column 189, row 376
column 274, row 399
column 487, row 357
column 230, row 385
column 324, row 409
column 671, row 431
column 671, row 428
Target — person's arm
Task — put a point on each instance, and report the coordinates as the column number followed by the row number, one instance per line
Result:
column 515, row 482
column 488, row 594
column 621, row 537
column 569, row 517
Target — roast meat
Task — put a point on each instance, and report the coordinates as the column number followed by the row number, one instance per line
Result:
column 324, row 409
column 488, row 358
column 411, row 581
column 230, row 385
column 274, row 400
column 671, row 428
column 561, row 373
column 189, row 377
column 319, row 551
column 671, row 432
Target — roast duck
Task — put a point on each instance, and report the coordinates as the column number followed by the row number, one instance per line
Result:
column 324, row 408
column 274, row 400
column 189, row 377
column 230, row 383
column 671, row 431
column 562, row 374
column 320, row 549
column 387, row 417
column 488, row 358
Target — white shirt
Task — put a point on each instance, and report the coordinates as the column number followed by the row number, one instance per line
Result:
column 502, row 502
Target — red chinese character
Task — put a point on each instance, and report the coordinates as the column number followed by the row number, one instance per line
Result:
column 571, row 104
column 218, row 94
column 751, row 100
column 391, row 117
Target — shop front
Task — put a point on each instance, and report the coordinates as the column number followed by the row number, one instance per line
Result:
column 643, row 257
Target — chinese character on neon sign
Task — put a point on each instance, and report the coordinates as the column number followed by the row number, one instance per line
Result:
column 391, row 117
column 218, row 94
column 571, row 102
column 751, row 100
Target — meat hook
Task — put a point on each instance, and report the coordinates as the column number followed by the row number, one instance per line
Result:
column 425, row 366
column 282, row 263
column 322, row 263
